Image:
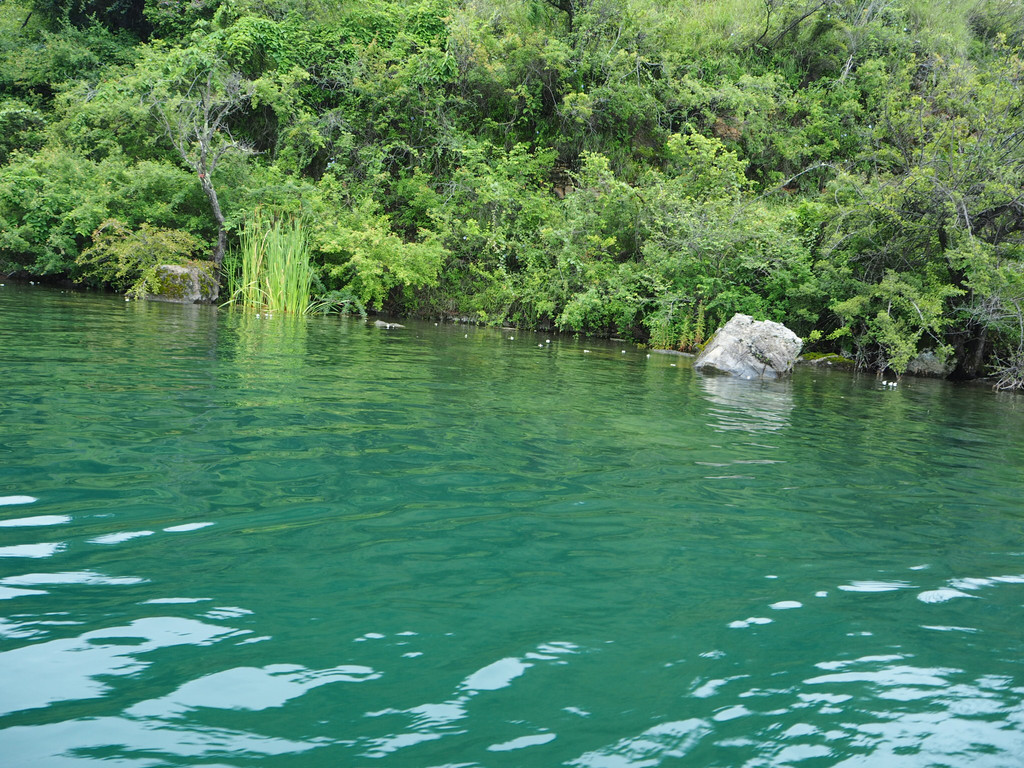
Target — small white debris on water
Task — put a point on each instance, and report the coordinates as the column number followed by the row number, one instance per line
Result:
column 784, row 605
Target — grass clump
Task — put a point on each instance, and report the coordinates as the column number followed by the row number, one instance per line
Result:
column 271, row 269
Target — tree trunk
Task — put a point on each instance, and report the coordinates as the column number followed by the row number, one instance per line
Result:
column 970, row 355
column 222, row 234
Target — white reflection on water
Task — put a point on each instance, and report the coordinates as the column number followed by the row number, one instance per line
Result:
column 9, row 500
column 901, row 675
column 56, row 745
column 176, row 600
column 67, row 669
column 32, row 550
column 941, row 595
column 500, row 674
column 70, row 577
column 650, row 748
column 875, row 586
column 749, row 406
column 948, row 717
column 522, row 742
column 977, row 583
column 120, row 536
column 25, row 522
column 7, row 593
column 249, row 688
column 955, row 586
column 434, row 720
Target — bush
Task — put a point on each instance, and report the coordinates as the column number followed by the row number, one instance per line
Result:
column 127, row 259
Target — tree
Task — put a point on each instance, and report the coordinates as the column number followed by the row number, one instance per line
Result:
column 932, row 245
column 568, row 7
column 195, row 107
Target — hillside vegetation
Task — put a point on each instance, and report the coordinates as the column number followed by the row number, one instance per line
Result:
column 852, row 168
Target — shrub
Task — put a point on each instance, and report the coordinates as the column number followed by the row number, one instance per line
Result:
column 127, row 259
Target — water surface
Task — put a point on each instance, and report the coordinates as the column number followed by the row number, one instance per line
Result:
column 239, row 541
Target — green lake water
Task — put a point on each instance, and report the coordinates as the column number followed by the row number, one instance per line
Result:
column 239, row 541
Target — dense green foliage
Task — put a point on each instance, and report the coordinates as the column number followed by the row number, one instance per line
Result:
column 853, row 168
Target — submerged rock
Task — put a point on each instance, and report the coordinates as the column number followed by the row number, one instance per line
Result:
column 384, row 324
column 672, row 352
column 829, row 361
column 186, row 284
column 751, row 349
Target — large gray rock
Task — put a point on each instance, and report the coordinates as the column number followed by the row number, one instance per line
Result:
column 186, row 284
column 928, row 364
column 751, row 349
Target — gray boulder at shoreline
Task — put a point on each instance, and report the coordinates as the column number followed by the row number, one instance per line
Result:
column 928, row 364
column 751, row 349
column 181, row 284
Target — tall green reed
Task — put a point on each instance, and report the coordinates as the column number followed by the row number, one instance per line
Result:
column 270, row 270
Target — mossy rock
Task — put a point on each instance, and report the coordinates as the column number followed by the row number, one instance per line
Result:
column 192, row 283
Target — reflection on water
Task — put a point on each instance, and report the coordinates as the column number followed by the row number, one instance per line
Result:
column 64, row 670
column 230, row 541
column 749, row 406
column 429, row 722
